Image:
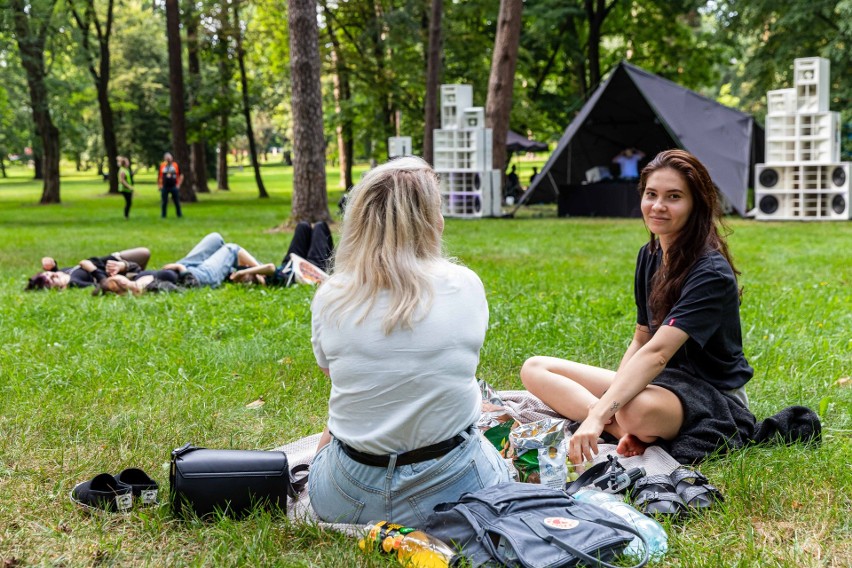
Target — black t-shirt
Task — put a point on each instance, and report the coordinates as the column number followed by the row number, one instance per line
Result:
column 708, row 310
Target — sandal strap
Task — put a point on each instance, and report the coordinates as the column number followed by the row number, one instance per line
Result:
column 652, row 481
column 683, row 473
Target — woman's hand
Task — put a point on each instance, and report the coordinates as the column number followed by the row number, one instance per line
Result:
column 48, row 264
column 583, row 445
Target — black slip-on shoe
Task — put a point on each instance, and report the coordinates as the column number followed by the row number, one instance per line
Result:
column 144, row 488
column 103, row 492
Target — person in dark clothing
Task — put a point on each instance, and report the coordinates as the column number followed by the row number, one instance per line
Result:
column 313, row 244
column 169, row 180
column 688, row 338
column 89, row 272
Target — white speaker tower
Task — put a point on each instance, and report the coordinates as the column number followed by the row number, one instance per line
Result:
column 470, row 187
column 803, row 178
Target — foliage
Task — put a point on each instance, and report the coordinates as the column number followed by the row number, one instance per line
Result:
column 99, row 384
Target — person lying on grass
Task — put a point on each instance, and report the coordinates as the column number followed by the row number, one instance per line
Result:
column 88, row 272
column 681, row 381
column 398, row 329
column 209, row 263
column 313, row 244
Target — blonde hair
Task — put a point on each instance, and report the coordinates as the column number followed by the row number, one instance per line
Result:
column 390, row 241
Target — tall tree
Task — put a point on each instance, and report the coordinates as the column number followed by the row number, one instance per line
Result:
column 596, row 13
column 176, row 94
column 433, row 78
column 498, row 105
column 342, row 100
column 32, row 22
column 98, row 64
column 310, row 200
column 241, row 60
column 198, row 147
column 223, row 102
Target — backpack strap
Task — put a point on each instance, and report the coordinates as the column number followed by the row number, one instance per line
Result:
column 297, row 484
column 586, row 558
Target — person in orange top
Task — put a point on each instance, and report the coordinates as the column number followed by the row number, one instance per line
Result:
column 169, row 180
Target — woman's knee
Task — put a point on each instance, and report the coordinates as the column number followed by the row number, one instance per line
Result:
column 532, row 370
column 652, row 413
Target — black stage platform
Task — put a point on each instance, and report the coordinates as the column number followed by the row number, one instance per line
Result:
column 608, row 198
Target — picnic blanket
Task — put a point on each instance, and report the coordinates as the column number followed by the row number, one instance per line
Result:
column 521, row 405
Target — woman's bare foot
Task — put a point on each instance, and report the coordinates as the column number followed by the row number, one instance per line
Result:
column 629, row 446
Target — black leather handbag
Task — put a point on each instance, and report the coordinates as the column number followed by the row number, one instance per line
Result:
column 205, row 481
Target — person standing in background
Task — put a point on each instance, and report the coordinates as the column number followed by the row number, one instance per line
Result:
column 628, row 163
column 125, row 183
column 169, row 180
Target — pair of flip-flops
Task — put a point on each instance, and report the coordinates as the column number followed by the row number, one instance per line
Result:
column 682, row 492
column 115, row 493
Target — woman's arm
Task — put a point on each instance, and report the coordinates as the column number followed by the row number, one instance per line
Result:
column 326, row 435
column 179, row 268
column 263, row 269
column 641, row 336
column 633, row 376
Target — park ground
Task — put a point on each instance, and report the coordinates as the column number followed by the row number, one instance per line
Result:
column 94, row 384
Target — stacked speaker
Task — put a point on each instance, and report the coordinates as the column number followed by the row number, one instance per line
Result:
column 803, row 178
column 470, row 187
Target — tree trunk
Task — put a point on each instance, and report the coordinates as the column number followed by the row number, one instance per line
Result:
column 178, row 113
column 85, row 22
column 224, row 103
column 198, row 149
column 31, row 44
column 241, row 59
column 433, row 79
column 222, row 166
column 310, row 200
column 342, row 98
column 498, row 106
column 596, row 12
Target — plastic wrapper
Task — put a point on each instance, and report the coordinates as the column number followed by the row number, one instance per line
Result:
column 551, row 465
column 494, row 412
column 534, row 435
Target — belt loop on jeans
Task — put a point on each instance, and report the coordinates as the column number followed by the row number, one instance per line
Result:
column 431, row 452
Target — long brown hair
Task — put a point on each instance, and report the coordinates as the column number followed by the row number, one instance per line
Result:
column 704, row 230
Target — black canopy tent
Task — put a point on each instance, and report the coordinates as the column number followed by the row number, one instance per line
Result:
column 636, row 109
column 517, row 143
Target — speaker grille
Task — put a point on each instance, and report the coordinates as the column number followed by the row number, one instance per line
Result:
column 838, row 177
column 768, row 203
column 838, row 203
column 768, row 177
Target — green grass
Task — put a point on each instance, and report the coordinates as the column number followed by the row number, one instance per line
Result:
column 99, row 384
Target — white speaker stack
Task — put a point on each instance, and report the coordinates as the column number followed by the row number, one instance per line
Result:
column 470, row 187
column 803, row 178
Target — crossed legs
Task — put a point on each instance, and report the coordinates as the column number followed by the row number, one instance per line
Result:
column 571, row 388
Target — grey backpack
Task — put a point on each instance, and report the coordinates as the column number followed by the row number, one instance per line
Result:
column 528, row 525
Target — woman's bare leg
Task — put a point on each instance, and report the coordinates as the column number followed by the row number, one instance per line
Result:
column 654, row 413
column 139, row 255
column 568, row 387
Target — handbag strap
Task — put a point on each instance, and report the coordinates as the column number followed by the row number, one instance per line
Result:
column 586, row 477
column 297, row 483
column 586, row 558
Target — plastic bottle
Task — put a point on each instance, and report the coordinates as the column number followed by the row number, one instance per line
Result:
column 655, row 535
column 413, row 548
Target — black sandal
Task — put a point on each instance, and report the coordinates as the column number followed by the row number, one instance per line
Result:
column 103, row 492
column 656, row 495
column 694, row 489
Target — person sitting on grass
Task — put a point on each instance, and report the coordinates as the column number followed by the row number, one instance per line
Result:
column 398, row 328
column 313, row 244
column 90, row 272
column 681, row 382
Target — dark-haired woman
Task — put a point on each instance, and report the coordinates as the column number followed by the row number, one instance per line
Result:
column 686, row 351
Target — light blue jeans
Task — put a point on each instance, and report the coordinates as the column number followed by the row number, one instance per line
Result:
column 211, row 260
column 345, row 491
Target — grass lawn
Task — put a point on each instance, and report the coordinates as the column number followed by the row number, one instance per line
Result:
column 98, row 384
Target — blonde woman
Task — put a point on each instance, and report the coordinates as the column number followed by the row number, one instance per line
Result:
column 398, row 328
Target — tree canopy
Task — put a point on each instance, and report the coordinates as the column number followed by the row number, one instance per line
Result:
column 373, row 69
